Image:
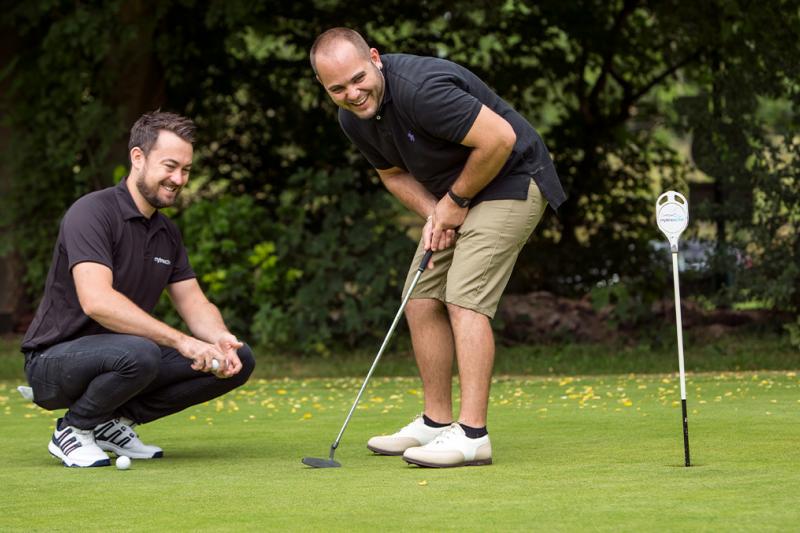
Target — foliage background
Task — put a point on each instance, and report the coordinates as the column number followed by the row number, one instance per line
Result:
column 292, row 233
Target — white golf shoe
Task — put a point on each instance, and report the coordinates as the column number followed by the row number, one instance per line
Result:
column 414, row 434
column 451, row 448
column 117, row 436
column 76, row 447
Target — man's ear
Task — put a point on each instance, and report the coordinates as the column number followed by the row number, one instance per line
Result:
column 137, row 158
column 375, row 57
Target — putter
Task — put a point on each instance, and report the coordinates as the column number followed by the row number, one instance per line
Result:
column 672, row 216
column 329, row 462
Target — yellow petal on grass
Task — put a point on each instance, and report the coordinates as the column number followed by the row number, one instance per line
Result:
column 422, row 483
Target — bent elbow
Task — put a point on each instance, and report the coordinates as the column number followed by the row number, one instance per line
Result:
column 91, row 307
column 508, row 138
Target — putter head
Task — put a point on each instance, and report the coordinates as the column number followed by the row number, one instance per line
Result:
column 314, row 462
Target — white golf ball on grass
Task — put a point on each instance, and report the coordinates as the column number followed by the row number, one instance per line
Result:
column 123, row 462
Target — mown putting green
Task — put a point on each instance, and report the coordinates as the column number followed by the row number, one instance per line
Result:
column 583, row 453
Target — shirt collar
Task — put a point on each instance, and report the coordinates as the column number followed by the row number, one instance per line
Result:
column 128, row 209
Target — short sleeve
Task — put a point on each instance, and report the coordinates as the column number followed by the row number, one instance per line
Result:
column 181, row 268
column 87, row 235
column 445, row 110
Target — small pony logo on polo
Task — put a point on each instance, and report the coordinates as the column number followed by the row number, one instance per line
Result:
column 411, row 137
column 162, row 261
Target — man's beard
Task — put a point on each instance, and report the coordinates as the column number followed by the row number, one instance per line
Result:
column 151, row 195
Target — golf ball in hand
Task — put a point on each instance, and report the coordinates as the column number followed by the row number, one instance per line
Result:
column 123, row 462
column 214, row 365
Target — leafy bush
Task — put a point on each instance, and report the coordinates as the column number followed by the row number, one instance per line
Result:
column 325, row 266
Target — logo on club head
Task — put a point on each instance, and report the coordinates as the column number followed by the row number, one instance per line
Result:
column 672, row 216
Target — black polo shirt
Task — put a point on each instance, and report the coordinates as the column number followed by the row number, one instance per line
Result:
column 429, row 105
column 106, row 227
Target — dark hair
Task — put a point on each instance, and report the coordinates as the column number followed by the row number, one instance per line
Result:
column 144, row 133
column 332, row 35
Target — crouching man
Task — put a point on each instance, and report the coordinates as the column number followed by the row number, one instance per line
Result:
column 93, row 346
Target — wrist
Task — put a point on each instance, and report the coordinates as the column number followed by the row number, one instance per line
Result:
column 460, row 201
column 179, row 342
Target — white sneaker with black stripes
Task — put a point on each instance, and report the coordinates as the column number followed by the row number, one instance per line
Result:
column 117, row 436
column 76, row 447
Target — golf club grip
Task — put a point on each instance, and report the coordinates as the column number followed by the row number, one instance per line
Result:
column 427, row 257
column 687, row 461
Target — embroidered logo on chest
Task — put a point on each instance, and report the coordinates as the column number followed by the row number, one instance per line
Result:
column 162, row 261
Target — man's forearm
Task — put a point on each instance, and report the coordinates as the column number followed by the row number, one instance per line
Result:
column 492, row 140
column 410, row 192
column 481, row 167
column 205, row 322
column 119, row 314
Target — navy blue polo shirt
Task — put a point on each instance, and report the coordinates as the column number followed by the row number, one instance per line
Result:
column 106, row 227
column 428, row 107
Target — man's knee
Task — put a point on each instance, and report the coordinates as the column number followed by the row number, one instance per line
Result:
column 422, row 308
column 138, row 356
column 248, row 364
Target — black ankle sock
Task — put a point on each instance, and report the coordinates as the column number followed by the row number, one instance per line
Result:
column 430, row 423
column 473, row 433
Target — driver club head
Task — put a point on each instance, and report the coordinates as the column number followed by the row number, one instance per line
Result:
column 314, row 462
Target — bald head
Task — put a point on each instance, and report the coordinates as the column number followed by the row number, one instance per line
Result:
column 349, row 70
column 328, row 42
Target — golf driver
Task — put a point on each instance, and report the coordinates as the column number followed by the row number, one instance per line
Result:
column 672, row 216
column 329, row 462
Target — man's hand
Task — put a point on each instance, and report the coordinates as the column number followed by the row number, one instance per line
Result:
column 440, row 229
column 230, row 365
column 202, row 354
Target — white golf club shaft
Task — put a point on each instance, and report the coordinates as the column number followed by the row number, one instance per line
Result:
column 678, row 322
column 386, row 339
column 681, row 371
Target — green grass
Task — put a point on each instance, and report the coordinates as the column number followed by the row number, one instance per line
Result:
column 599, row 453
column 654, row 353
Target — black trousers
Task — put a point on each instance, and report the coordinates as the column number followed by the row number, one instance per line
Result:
column 100, row 377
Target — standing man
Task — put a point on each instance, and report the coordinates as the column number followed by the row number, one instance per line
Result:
column 93, row 346
column 455, row 153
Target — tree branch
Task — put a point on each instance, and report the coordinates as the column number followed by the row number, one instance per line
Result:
column 608, row 56
column 631, row 97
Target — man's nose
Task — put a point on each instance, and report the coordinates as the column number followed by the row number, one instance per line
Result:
column 177, row 177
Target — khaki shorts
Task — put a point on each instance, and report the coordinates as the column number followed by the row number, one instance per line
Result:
column 474, row 273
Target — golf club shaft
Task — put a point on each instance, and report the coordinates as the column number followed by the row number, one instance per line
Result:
column 386, row 339
column 679, row 326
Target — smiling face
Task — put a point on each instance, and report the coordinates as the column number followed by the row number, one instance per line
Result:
column 159, row 176
column 352, row 80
